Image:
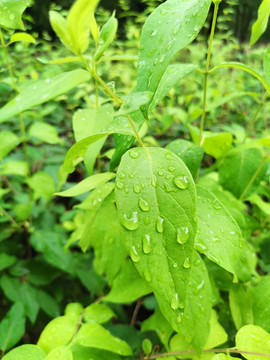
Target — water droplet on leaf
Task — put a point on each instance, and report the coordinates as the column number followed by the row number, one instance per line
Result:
column 130, row 222
column 159, row 225
column 134, row 254
column 146, row 244
column 182, row 235
column 175, row 302
column 186, row 264
column 181, row 182
column 144, row 206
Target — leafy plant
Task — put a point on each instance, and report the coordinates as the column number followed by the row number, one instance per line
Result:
column 167, row 230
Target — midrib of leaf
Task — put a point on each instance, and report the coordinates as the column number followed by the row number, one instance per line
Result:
column 150, row 161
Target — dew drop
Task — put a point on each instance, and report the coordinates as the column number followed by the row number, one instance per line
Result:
column 159, row 225
column 126, row 190
column 134, row 254
column 179, row 318
column 122, row 175
column 130, row 222
column 134, row 154
column 186, row 264
column 175, row 265
column 146, row 220
column 171, row 169
column 175, row 302
column 154, row 33
column 146, row 244
column 164, row 12
column 136, row 189
column 11, row 17
column 119, row 185
column 182, row 235
column 154, row 181
column 144, row 206
column 168, row 187
column 160, row 173
column 169, row 155
column 168, row 177
column 181, row 182
column 162, row 58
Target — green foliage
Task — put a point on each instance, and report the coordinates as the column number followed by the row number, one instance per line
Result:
column 109, row 251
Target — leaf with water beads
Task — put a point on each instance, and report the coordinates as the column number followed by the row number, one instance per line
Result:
column 158, row 222
column 251, row 338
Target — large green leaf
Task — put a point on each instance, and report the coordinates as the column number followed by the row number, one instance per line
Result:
column 60, row 353
column 26, row 352
column 96, row 336
column 241, row 306
column 42, row 91
column 156, row 201
column 261, row 306
column 12, row 327
column 84, row 353
column 260, row 25
column 218, row 235
column 238, row 168
column 11, row 13
column 251, row 338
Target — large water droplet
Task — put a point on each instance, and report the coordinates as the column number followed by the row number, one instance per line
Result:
column 181, row 182
column 119, row 185
column 144, row 206
column 186, row 264
column 134, row 254
column 182, row 235
column 175, row 302
column 122, row 175
column 159, row 225
column 154, row 181
column 136, row 189
column 134, row 154
column 146, row 244
column 168, row 187
column 130, row 222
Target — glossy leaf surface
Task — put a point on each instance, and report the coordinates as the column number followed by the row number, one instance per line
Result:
column 261, row 23
column 11, row 13
column 253, row 338
column 26, row 352
column 107, row 35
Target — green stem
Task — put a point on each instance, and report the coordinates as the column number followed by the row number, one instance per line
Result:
column 255, row 116
column 206, row 72
column 22, row 126
column 252, row 179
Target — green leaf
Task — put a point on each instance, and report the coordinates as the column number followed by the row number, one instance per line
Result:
column 78, row 21
column 48, row 304
column 99, row 313
column 107, row 35
column 44, row 132
column 79, row 149
column 26, row 352
column 218, row 236
column 83, row 353
column 261, row 306
column 57, row 333
column 12, row 327
column 15, row 167
column 238, row 168
column 8, row 142
column 87, row 122
column 252, row 338
column 170, row 27
column 241, row 306
column 172, row 75
column 134, row 101
column 60, row 353
column 6, row 261
column 260, row 25
column 42, row 91
column 127, row 285
column 60, row 27
column 263, row 205
column 24, row 37
column 87, row 184
column 160, row 325
column 190, row 153
column 155, row 196
column 11, row 13
column 266, row 65
column 42, row 184
column 96, row 336
column 236, row 65
column 193, row 321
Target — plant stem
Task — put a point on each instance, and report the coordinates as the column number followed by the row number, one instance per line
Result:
column 22, row 126
column 206, row 72
column 255, row 116
column 252, row 179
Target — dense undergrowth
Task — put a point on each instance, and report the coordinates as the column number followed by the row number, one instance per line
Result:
column 169, row 251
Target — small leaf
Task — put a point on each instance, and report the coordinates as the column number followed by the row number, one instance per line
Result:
column 26, row 352
column 251, row 338
column 11, row 13
column 42, row 184
column 12, row 327
column 107, row 35
column 78, row 20
column 15, row 167
column 8, row 142
column 87, row 184
column 260, row 25
column 96, row 336
column 60, row 27
column 24, row 37
column 42, row 91
column 99, row 313
column 44, row 132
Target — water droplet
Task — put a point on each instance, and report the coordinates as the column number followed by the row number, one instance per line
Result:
column 175, row 265
column 182, row 235
column 134, row 154
column 215, row 239
column 176, row 29
column 196, row 28
column 154, row 33
column 146, row 244
column 179, row 318
column 164, row 12
column 168, row 187
column 147, row 275
column 171, row 169
column 175, row 302
column 144, row 206
column 169, row 155
column 119, row 185
column 11, row 17
column 154, row 181
column 130, row 222
column 122, row 175
column 168, row 177
column 186, row 264
column 134, row 254
column 213, row 258
column 187, row 21
column 160, row 173
column 126, row 190
column 162, row 58
column 181, row 182
column 159, row 225
column 136, row 189
column 170, row 44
